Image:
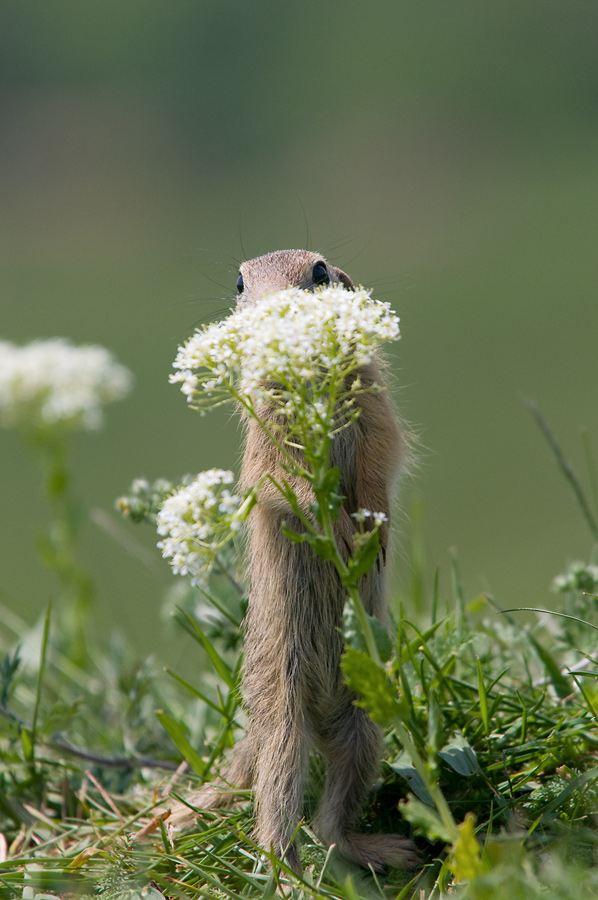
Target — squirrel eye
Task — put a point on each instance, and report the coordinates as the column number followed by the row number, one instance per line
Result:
column 320, row 274
column 240, row 284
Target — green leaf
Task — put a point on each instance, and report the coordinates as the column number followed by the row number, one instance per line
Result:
column 330, row 481
column 40, row 680
column 370, row 681
column 426, row 819
column 560, row 683
column 460, row 756
column 322, row 546
column 327, row 493
column 179, row 739
column 573, row 788
column 483, row 698
column 27, row 744
column 192, row 690
column 295, row 536
column 435, row 730
column 219, row 665
column 354, row 636
column 407, row 650
column 403, row 767
column 465, row 859
column 365, row 554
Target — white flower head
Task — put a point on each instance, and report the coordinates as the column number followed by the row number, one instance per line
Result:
column 289, row 351
column 55, row 383
column 195, row 521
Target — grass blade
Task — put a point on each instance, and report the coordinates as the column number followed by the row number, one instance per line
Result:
column 179, row 739
column 483, row 697
column 565, row 466
column 221, row 667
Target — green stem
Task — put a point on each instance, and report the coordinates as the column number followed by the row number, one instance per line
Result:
column 59, row 547
column 364, row 624
column 442, row 807
column 250, row 410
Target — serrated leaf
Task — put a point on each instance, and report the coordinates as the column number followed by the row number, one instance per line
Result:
column 424, row 817
column 365, row 555
column 371, row 683
column 465, row 860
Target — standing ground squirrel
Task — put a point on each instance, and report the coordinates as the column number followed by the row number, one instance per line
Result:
column 293, row 685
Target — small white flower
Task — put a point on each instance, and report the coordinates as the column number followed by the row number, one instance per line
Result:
column 51, row 383
column 363, row 514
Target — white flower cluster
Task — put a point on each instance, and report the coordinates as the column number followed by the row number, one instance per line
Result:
column 53, row 382
column 195, row 521
column 578, row 577
column 288, row 338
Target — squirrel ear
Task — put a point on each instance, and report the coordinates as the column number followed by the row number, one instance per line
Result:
column 343, row 278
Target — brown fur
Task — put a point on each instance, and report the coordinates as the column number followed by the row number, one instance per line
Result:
column 293, row 685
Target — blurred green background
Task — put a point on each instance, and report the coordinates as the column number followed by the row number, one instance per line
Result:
column 443, row 153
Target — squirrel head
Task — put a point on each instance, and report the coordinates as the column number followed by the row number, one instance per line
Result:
column 284, row 269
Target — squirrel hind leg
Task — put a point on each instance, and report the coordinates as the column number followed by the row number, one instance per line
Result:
column 380, row 851
column 352, row 746
column 221, row 793
column 280, row 770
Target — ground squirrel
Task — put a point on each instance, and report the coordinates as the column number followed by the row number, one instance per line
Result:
column 293, row 686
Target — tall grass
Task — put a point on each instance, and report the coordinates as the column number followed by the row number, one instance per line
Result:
column 491, row 732
column 500, row 707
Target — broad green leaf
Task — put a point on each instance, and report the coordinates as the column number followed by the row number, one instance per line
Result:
column 403, row 767
column 460, row 756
